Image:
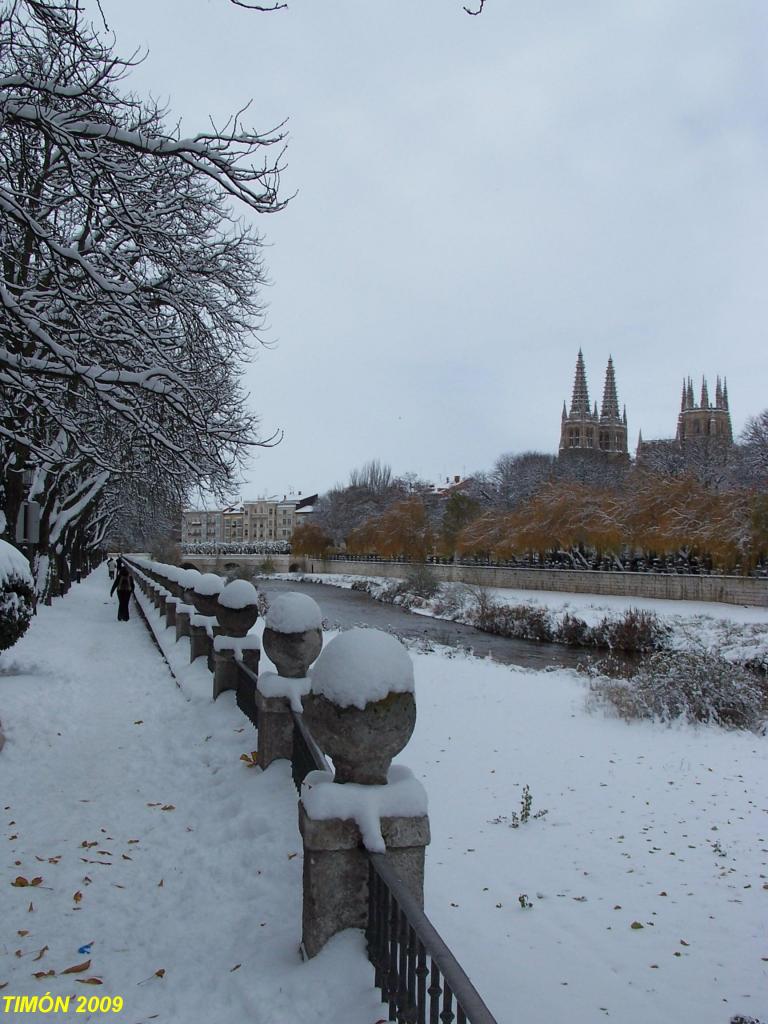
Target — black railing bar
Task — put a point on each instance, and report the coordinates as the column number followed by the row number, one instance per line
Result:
column 318, row 757
column 462, row 988
column 253, row 676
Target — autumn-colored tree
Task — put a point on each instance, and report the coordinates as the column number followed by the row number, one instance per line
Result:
column 310, row 539
column 460, row 510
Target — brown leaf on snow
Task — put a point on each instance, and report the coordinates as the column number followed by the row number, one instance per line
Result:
column 132, row 841
column 86, row 845
column 167, row 807
column 20, row 882
column 78, row 968
column 87, row 880
column 160, row 973
column 77, row 896
column 44, row 974
column 125, row 856
column 160, row 884
column 231, row 969
column 154, row 805
column 23, row 932
column 30, row 908
column 89, row 981
column 41, row 953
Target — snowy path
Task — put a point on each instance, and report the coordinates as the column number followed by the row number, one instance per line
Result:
column 153, row 841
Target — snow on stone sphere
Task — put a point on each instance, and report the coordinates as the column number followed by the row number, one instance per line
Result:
column 362, row 665
column 294, row 613
column 208, row 585
column 188, row 577
column 239, row 594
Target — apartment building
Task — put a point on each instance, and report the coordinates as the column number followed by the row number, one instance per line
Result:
column 198, row 526
column 261, row 520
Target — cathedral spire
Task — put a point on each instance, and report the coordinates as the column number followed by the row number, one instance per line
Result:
column 689, row 394
column 718, row 394
column 683, row 400
column 725, row 393
column 704, row 394
column 580, row 399
column 610, row 408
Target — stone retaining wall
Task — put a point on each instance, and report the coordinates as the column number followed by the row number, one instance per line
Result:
column 728, row 589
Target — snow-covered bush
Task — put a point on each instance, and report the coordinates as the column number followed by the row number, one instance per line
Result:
column 17, row 595
column 699, row 686
column 253, row 547
column 422, row 581
column 521, row 621
column 637, row 631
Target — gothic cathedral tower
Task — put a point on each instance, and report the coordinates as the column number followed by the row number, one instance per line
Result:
column 583, row 431
column 704, row 420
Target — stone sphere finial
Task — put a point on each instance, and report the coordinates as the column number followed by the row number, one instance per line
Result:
column 205, row 591
column 237, row 608
column 362, row 708
column 293, row 634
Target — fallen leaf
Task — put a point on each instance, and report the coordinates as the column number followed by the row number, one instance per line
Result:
column 9, row 839
column 89, row 981
column 44, row 974
column 139, row 721
column 85, row 845
column 54, row 860
column 167, row 807
column 160, row 973
column 636, row 924
column 684, row 943
column 87, row 880
column 77, row 896
column 292, row 855
column 133, row 841
column 231, row 969
column 160, row 884
column 78, row 968
column 117, row 886
column 30, row 908
column 41, row 953
column 23, row 932
column 20, row 882
column 154, row 805
column 4, row 984
column 125, row 856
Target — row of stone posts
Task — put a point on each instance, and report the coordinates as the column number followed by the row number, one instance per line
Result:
column 357, row 698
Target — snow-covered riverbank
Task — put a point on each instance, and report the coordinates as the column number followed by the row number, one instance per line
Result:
column 647, row 879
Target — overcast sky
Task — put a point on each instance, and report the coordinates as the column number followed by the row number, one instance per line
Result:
column 478, row 198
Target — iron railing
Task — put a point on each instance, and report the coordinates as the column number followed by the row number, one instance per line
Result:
column 245, row 694
column 419, row 977
column 307, row 755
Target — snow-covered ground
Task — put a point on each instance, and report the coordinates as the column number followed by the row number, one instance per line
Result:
column 738, row 632
column 660, row 827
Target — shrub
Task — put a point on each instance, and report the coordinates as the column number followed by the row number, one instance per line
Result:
column 17, row 598
column 422, row 581
column 696, row 686
column 635, row 630
column 520, row 621
column 266, row 567
column 362, row 585
column 573, row 631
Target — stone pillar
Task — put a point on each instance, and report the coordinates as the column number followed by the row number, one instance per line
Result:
column 336, row 872
column 361, row 738
column 225, row 672
column 170, row 613
column 292, row 653
column 199, row 642
column 182, row 624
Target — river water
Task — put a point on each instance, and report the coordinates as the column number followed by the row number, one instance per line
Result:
column 347, row 608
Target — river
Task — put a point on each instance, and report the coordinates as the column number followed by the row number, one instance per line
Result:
column 345, row 608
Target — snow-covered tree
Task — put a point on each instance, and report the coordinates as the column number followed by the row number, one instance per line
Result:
column 128, row 290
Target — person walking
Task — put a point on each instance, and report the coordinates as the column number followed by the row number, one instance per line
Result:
column 124, row 586
column 111, row 567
